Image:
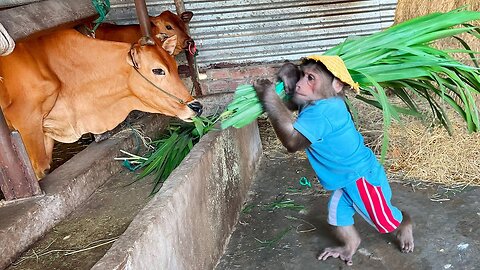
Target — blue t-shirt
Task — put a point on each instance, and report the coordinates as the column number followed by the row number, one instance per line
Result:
column 337, row 153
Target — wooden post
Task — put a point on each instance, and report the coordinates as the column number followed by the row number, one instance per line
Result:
column 180, row 7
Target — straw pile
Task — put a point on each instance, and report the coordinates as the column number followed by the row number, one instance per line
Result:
column 408, row 9
column 432, row 155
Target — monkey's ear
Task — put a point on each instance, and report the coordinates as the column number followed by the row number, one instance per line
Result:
column 337, row 85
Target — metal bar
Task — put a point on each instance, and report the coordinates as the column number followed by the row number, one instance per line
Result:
column 13, row 182
column 25, row 163
column 180, row 7
column 143, row 19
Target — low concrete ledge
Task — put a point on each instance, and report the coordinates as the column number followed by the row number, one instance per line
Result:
column 187, row 223
column 24, row 222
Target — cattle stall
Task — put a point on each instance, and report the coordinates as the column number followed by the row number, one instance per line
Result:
column 228, row 33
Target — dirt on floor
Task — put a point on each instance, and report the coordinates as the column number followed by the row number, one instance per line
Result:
column 283, row 224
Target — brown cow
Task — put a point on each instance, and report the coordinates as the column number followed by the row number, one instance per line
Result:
column 64, row 84
column 165, row 25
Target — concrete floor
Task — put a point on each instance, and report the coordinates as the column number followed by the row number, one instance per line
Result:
column 447, row 234
column 90, row 230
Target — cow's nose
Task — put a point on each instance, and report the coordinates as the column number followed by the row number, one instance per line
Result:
column 196, row 106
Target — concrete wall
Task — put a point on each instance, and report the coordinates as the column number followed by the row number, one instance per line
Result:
column 186, row 225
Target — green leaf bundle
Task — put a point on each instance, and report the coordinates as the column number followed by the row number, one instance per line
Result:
column 246, row 106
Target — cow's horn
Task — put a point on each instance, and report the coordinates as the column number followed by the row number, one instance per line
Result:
column 146, row 41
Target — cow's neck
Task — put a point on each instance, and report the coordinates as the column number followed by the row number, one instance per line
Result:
column 101, row 98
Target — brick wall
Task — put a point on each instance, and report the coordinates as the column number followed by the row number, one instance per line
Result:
column 226, row 79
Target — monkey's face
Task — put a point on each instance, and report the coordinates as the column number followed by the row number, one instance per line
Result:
column 313, row 85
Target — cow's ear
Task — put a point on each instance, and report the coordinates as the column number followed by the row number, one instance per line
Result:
column 132, row 57
column 186, row 16
column 169, row 44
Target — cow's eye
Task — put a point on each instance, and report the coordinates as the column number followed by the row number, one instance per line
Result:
column 169, row 27
column 158, row 71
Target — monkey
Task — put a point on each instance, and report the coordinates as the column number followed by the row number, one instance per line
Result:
column 336, row 151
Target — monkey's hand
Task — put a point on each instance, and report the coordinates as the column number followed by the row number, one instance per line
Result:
column 280, row 116
column 265, row 89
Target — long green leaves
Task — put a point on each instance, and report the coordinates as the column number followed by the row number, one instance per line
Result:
column 173, row 147
column 402, row 60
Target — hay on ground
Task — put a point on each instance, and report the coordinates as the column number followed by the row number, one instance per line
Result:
column 421, row 152
column 432, row 155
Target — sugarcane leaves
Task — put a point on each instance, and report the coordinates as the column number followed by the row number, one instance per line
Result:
column 468, row 50
column 426, row 38
column 463, row 90
column 388, row 111
column 402, row 60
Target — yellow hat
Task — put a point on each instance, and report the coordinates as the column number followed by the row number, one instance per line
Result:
column 337, row 67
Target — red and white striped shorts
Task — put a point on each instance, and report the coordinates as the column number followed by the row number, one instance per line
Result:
column 370, row 201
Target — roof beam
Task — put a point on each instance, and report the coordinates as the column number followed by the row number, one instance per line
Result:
column 39, row 17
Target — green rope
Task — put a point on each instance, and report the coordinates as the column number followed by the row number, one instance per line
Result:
column 102, row 7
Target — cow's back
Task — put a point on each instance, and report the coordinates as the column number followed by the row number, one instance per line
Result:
column 120, row 33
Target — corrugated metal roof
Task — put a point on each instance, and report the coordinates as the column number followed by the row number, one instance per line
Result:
column 123, row 11
column 242, row 31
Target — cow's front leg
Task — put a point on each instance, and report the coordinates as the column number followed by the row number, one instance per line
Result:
column 34, row 141
column 49, row 143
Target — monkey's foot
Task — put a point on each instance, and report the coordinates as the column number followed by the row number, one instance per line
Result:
column 405, row 237
column 344, row 253
column 405, row 233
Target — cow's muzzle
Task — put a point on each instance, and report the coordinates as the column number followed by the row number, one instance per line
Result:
column 196, row 106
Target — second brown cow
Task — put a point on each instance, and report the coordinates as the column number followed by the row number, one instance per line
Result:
column 165, row 25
